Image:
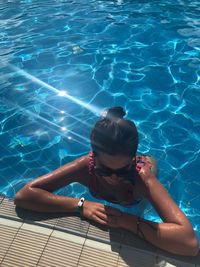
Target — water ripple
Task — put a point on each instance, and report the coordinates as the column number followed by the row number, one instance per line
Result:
column 143, row 56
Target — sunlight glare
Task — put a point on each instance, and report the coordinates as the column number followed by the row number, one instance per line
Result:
column 93, row 109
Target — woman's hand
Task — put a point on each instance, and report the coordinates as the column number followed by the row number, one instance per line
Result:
column 145, row 175
column 102, row 214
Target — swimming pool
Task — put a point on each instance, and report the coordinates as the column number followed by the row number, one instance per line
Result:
column 64, row 61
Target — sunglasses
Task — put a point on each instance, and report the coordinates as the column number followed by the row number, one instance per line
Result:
column 125, row 172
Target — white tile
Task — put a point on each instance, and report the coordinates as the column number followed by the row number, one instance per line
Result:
column 36, row 228
column 163, row 263
column 10, row 223
column 73, row 238
column 102, row 246
column 175, row 262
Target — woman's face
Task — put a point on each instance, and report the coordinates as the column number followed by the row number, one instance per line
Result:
column 114, row 169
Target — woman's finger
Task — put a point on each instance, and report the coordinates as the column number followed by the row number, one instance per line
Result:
column 112, row 211
column 102, row 216
column 104, row 209
column 109, row 220
column 99, row 220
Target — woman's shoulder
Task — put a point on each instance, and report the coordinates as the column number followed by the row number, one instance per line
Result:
column 81, row 166
column 73, row 171
column 83, row 161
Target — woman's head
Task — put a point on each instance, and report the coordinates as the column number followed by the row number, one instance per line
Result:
column 113, row 135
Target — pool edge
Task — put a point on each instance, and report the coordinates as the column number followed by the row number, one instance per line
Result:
column 118, row 240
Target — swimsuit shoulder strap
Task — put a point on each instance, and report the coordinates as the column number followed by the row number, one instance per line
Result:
column 93, row 180
column 91, row 163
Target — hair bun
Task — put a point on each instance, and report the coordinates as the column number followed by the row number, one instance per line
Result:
column 114, row 112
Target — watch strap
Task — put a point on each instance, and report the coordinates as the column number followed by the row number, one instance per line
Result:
column 79, row 207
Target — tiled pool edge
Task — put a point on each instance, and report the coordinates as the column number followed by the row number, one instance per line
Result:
column 82, row 228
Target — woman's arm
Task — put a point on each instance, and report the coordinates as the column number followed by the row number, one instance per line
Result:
column 37, row 195
column 175, row 234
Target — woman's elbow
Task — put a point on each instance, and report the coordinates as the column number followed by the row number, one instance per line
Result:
column 193, row 249
column 190, row 245
column 184, row 243
column 21, row 197
column 18, row 199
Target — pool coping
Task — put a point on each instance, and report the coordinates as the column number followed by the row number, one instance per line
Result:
column 118, row 239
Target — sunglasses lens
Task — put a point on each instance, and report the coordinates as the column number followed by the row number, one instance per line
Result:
column 120, row 173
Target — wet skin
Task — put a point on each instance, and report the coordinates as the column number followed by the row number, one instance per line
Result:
column 175, row 234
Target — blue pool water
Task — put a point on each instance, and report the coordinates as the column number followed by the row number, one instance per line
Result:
column 63, row 61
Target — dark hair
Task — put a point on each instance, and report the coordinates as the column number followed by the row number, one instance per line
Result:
column 114, row 135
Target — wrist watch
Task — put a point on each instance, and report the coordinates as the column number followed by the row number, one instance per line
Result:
column 79, row 207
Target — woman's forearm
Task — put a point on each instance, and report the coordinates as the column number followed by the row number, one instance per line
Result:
column 37, row 195
column 37, row 199
column 175, row 234
column 164, row 204
column 167, row 236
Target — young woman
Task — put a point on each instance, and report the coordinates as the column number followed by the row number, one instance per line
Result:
column 113, row 172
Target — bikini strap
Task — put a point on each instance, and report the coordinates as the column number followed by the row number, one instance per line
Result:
column 91, row 163
column 93, row 181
